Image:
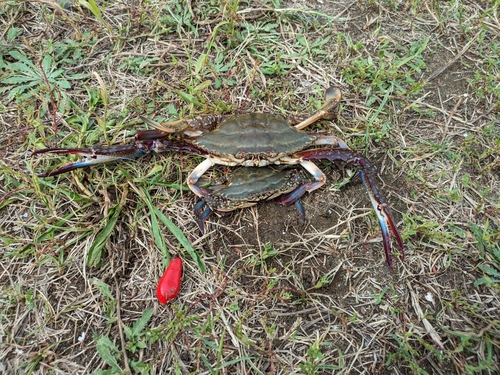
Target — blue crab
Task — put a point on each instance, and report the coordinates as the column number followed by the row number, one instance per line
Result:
column 250, row 140
column 246, row 187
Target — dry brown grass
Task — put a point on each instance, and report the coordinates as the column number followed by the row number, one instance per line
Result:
column 279, row 296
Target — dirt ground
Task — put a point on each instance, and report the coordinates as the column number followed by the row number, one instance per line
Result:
column 279, row 295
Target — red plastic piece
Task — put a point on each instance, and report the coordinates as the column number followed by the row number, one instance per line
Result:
column 170, row 283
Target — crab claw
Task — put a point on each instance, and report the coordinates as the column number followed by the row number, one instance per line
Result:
column 383, row 214
column 294, row 197
column 201, row 217
column 366, row 172
column 91, row 156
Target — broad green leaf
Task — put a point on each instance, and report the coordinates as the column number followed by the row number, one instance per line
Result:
column 490, row 270
column 141, row 345
column 158, row 237
column 15, row 80
column 128, row 332
column 46, row 65
column 92, row 6
column 320, row 42
column 19, row 89
column 22, row 67
column 21, row 57
column 173, row 229
column 155, row 228
column 141, row 367
column 302, row 40
column 404, row 61
column 56, row 74
column 13, row 33
column 62, row 83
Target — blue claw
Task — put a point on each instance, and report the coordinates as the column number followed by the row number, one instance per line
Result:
column 201, row 221
column 300, row 209
column 92, row 156
column 294, row 197
column 199, row 205
column 204, row 215
column 384, row 216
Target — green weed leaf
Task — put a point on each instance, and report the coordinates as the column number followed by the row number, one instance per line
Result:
column 181, row 238
column 21, row 57
column 16, row 80
column 109, row 352
column 22, row 75
column 200, row 63
column 103, row 288
column 141, row 322
column 92, row 6
column 188, row 97
column 178, row 234
column 97, row 249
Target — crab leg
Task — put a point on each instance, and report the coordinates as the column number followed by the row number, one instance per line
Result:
column 366, row 172
column 331, row 141
column 92, row 156
column 307, row 187
column 189, row 127
column 206, row 213
column 333, row 97
column 383, row 214
column 195, row 176
column 146, row 141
